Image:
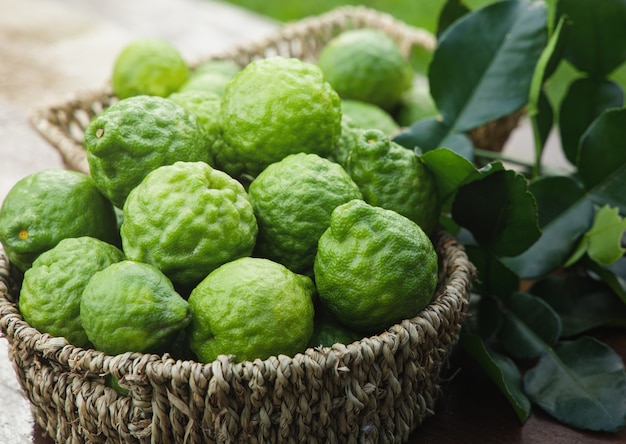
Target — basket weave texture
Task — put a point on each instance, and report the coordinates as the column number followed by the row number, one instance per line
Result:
column 378, row 389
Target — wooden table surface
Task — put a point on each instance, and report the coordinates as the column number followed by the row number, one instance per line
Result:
column 52, row 48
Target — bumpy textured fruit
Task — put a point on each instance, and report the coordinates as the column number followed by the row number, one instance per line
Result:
column 136, row 135
column 394, row 178
column 211, row 76
column 50, row 205
column 148, row 66
column 251, row 308
column 293, row 200
column 206, row 106
column 132, row 306
column 328, row 330
column 275, row 107
column 366, row 64
column 416, row 103
column 53, row 286
column 188, row 219
column 374, row 267
column 368, row 116
column 347, row 140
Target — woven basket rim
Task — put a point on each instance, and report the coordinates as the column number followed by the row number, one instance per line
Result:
column 451, row 297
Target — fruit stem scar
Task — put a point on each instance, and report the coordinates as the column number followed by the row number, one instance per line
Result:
column 99, row 132
column 23, row 234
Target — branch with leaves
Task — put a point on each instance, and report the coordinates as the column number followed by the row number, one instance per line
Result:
column 563, row 232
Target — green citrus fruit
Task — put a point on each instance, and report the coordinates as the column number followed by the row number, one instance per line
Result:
column 416, row 104
column 187, row 219
column 374, row 267
column 368, row 65
column 393, row 177
column 368, row 116
column 251, row 308
column 211, row 76
column 53, row 286
column 206, row 106
column 347, row 139
column 148, row 67
column 47, row 206
column 275, row 107
column 136, row 135
column 328, row 330
column 227, row 68
column 132, row 306
column 292, row 201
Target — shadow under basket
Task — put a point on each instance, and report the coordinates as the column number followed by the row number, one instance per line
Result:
column 378, row 389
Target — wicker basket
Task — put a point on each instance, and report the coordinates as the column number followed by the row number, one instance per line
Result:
column 378, row 389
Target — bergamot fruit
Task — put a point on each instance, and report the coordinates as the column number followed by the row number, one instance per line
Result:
column 151, row 67
column 366, row 64
column 275, row 107
column 393, row 177
column 47, row 206
column 53, row 286
column 132, row 307
column 292, row 201
column 374, row 267
column 188, row 219
column 368, row 116
column 251, row 308
column 137, row 135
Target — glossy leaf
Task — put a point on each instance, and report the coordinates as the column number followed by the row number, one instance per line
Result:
column 603, row 240
column 597, row 35
column 497, row 63
column 530, row 326
column 502, row 371
column 610, row 276
column 485, row 317
column 452, row 11
column 499, row 211
column 430, row 133
column 452, row 170
column 602, row 159
column 493, row 277
column 581, row 383
column 565, row 214
column 585, row 100
column 581, row 302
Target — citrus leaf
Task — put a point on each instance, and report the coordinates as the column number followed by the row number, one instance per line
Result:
column 493, row 277
column 452, row 170
column 585, row 100
column 479, row 79
column 581, row 302
column 602, row 159
column 603, row 240
column 596, row 41
column 581, row 383
column 502, row 371
column 610, row 276
column 452, row 11
column 485, row 317
column 565, row 214
column 431, row 133
column 530, row 326
column 499, row 211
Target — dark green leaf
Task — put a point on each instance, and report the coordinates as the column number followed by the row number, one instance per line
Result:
column 580, row 383
column 479, row 79
column 494, row 277
column 452, row 10
column 610, row 276
column 430, row 133
column 597, row 35
column 499, row 211
column 452, row 170
column 582, row 303
column 584, row 101
column 602, row 159
column 502, row 371
column 530, row 326
column 485, row 317
column 565, row 214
